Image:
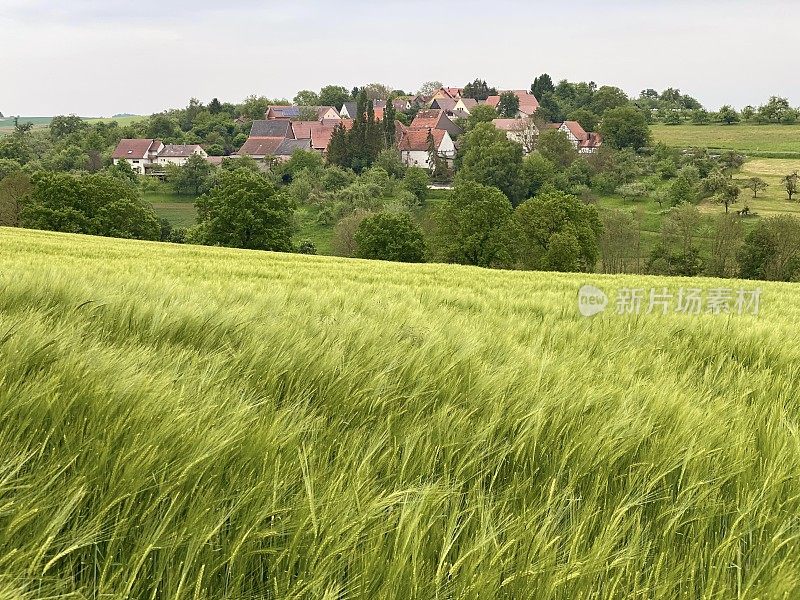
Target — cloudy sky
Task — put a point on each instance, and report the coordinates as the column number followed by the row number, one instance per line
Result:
column 101, row 57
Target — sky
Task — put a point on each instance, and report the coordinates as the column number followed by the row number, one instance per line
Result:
column 104, row 57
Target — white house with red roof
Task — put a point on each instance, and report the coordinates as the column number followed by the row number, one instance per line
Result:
column 137, row 153
column 584, row 142
column 414, row 146
column 521, row 131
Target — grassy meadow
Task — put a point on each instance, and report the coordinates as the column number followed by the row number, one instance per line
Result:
column 205, row 423
column 741, row 137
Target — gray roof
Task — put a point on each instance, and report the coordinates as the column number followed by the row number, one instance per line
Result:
column 352, row 108
column 178, row 150
column 287, row 147
column 273, row 128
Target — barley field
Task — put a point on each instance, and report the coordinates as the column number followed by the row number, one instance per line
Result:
column 180, row 422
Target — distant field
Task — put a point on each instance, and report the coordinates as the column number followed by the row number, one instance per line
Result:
column 774, row 200
column 755, row 138
column 7, row 125
column 178, row 210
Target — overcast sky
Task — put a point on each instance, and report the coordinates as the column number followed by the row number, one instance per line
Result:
column 101, row 57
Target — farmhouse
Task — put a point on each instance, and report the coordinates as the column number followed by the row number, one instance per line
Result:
column 414, row 146
column 178, row 154
column 139, row 153
column 585, row 143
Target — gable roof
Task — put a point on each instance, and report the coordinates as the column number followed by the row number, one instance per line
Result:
column 260, row 146
column 351, row 107
column 468, row 102
column 576, row 130
column 287, row 147
column 450, row 92
column 179, row 150
column 444, row 103
column 321, row 133
column 510, row 124
column 302, row 129
column 415, row 139
column 136, row 148
column 528, row 104
column 428, row 119
column 271, row 128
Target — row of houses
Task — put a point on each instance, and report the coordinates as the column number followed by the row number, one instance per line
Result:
column 286, row 129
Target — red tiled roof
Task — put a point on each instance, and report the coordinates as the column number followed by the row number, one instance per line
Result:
column 427, row 119
column 528, row 104
column 509, row 124
column 592, row 141
column 321, row 133
column 256, row 146
column 416, row 139
column 576, row 130
column 302, row 129
column 135, row 148
column 493, row 101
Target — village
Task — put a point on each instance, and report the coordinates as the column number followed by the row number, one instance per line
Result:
column 438, row 118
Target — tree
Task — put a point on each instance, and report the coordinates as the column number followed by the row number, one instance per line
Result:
column 770, row 251
column 62, row 126
column 344, row 242
column 556, row 147
column 377, row 91
column 558, row 232
column 508, row 107
column 245, row 210
column 537, row 172
column 728, row 236
column 389, row 125
column 416, row 181
column 95, row 204
column 334, row 95
column 8, row 166
column 587, row 119
column 483, row 113
column 307, row 98
column 625, row 127
column 619, row 242
column 490, row 158
column 388, row 236
column 549, row 109
column 215, row 106
column 193, row 177
column 755, row 185
column 429, row 88
column 723, row 189
column 475, row 227
column 728, row 115
column 677, row 252
column 543, row 84
column 606, row 98
column 478, row 90
column 438, row 166
column 790, row 184
column 15, row 189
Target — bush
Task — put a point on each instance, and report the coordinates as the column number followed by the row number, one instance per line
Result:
column 387, row 236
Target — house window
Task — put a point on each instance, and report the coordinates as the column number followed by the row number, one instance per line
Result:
column 136, row 162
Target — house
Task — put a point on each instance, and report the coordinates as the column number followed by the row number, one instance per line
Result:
column 275, row 128
column 139, row 154
column 414, row 146
column 179, row 154
column 448, row 92
column 318, row 134
column 287, row 147
column 521, row 131
column 435, row 119
column 265, row 138
column 296, row 112
column 528, row 104
column 465, row 105
column 349, row 110
column 446, row 104
column 584, row 142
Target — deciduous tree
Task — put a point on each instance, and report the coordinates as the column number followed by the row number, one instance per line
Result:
column 390, row 236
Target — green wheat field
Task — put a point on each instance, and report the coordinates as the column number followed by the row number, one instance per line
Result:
column 180, row 422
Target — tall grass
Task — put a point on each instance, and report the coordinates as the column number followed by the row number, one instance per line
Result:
column 184, row 422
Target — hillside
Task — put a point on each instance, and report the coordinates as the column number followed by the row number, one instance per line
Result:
column 187, row 422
